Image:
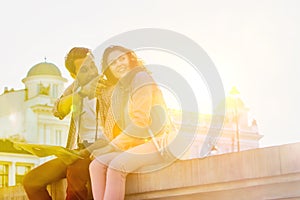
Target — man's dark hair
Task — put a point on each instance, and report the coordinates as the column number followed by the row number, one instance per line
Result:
column 75, row 53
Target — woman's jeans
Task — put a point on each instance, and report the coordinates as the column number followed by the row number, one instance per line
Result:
column 108, row 172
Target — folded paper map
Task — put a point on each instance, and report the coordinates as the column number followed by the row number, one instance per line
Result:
column 42, row 150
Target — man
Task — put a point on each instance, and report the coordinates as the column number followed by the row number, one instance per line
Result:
column 83, row 126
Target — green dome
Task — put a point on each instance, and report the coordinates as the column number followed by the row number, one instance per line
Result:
column 44, row 68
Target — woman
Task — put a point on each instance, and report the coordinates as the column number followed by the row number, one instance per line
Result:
column 139, row 122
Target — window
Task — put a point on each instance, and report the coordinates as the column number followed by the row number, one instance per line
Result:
column 55, row 91
column 38, row 88
column 58, row 137
column 21, row 170
column 4, row 174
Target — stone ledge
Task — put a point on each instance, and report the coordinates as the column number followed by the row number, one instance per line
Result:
column 259, row 174
column 268, row 169
column 251, row 189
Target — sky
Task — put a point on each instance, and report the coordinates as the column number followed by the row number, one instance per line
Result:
column 254, row 45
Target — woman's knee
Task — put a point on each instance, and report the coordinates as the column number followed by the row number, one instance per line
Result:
column 118, row 165
column 97, row 166
column 115, row 174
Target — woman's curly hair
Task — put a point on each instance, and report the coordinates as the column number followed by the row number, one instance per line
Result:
column 133, row 59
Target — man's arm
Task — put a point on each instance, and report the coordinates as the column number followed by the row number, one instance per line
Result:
column 62, row 105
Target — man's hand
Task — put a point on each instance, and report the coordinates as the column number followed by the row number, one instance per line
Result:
column 84, row 153
column 92, row 88
column 55, row 111
column 62, row 105
column 102, row 83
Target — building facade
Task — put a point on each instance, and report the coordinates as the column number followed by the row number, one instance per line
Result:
column 26, row 115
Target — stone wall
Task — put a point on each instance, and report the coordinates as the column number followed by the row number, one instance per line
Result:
column 266, row 174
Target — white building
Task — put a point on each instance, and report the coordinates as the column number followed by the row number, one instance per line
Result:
column 234, row 131
column 26, row 115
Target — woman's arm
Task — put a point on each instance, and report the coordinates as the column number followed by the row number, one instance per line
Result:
column 136, row 131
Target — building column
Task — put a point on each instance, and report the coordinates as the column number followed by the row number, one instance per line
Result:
column 12, row 174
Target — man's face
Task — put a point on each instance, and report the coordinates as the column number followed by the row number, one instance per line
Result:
column 78, row 62
column 87, row 70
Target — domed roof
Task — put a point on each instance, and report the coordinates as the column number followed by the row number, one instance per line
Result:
column 44, row 68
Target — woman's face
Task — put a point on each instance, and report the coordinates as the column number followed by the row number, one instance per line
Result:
column 120, row 64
